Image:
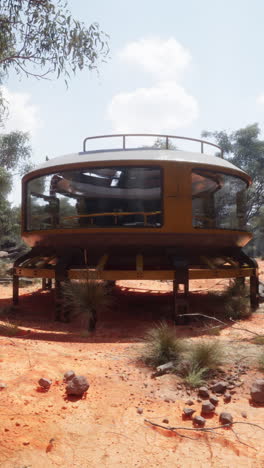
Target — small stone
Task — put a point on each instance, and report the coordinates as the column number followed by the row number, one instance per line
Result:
column 2, row 385
column 214, row 400
column 78, row 385
column 139, row 410
column 199, row 400
column 189, row 402
column 179, row 387
column 219, row 387
column 232, row 392
column 226, row 418
column 44, row 383
column 69, row 375
column 207, row 407
column 165, row 421
column 227, row 398
column 203, row 392
column 199, row 421
column 244, row 414
column 188, row 412
column 257, row 391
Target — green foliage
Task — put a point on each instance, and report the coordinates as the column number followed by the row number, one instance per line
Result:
column 205, row 355
column 42, row 38
column 196, row 376
column 161, row 346
column 236, row 301
column 15, row 151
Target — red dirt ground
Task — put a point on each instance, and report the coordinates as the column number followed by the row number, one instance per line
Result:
column 104, row 429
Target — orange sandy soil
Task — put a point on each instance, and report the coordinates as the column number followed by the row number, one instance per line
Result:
column 105, row 429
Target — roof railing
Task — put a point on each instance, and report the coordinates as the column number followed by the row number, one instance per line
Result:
column 156, row 135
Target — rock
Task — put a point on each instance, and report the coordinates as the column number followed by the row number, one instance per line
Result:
column 2, row 385
column 225, row 418
column 203, row 392
column 199, row 421
column 163, row 369
column 69, row 375
column 243, row 414
column 188, row 412
column 189, row 402
column 227, row 398
column 44, row 383
column 207, row 407
column 257, row 391
column 3, row 254
column 219, row 387
column 214, row 400
column 78, row 385
column 165, row 421
column 139, row 410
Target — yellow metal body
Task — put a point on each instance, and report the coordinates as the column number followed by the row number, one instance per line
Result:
column 177, row 206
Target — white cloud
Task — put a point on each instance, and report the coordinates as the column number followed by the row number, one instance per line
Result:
column 22, row 114
column 164, row 107
column 164, row 59
column 260, row 99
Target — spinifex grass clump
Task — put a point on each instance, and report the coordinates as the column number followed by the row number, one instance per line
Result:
column 261, row 361
column 236, row 301
column 196, row 376
column 259, row 340
column 203, row 357
column 85, row 299
column 162, row 345
column 206, row 355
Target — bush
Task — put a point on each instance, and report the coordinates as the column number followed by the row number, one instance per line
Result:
column 162, row 345
column 261, row 361
column 259, row 340
column 205, row 355
column 8, row 329
column 86, row 299
column 236, row 301
column 196, row 376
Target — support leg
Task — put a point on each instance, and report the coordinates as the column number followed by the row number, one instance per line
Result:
column 254, row 294
column 58, row 301
column 15, row 289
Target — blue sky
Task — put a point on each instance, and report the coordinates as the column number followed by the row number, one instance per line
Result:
column 174, row 67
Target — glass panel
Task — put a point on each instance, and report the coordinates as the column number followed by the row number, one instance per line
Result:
column 96, row 197
column 218, row 201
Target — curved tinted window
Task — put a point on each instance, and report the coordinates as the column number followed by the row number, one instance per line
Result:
column 218, row 201
column 96, row 197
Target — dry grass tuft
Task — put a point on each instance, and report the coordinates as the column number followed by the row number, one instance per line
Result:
column 162, row 345
column 85, row 299
column 205, row 355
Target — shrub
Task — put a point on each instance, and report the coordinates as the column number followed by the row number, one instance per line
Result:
column 8, row 329
column 261, row 361
column 86, row 299
column 259, row 340
column 196, row 376
column 205, row 355
column 162, row 345
column 236, row 301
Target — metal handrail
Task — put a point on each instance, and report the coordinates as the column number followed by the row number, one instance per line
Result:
column 124, row 135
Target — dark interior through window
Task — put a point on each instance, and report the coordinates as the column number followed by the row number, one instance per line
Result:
column 218, row 200
column 96, row 197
